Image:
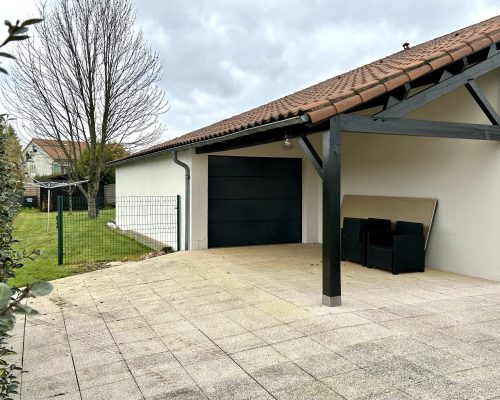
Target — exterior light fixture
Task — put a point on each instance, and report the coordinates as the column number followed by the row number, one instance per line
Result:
column 287, row 143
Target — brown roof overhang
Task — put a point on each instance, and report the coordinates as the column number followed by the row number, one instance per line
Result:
column 343, row 92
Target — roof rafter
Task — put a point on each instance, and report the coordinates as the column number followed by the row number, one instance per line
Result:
column 481, row 100
column 444, row 86
column 311, row 154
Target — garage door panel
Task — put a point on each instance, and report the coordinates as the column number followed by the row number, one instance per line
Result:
column 254, row 200
column 254, row 210
column 253, row 233
column 253, row 166
column 252, row 187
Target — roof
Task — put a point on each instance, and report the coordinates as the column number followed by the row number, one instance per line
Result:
column 54, row 150
column 351, row 89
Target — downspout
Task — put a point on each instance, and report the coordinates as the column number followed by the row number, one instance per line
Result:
column 187, row 198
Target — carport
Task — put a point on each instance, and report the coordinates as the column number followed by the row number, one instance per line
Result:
column 373, row 99
column 391, row 107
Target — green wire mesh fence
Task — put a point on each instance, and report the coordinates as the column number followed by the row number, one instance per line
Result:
column 132, row 227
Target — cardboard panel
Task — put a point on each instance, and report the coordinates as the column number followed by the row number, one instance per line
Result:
column 411, row 209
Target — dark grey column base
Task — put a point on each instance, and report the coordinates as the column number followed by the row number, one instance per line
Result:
column 335, row 301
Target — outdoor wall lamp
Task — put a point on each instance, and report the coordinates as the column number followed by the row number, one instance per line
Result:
column 287, row 143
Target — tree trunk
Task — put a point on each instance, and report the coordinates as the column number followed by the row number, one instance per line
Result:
column 92, row 207
column 93, row 190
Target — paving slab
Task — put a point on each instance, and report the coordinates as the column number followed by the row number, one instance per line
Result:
column 248, row 323
column 356, row 384
column 278, row 333
column 241, row 342
column 299, row 347
column 239, row 388
column 260, row 357
column 208, row 373
column 185, row 393
column 311, row 391
column 126, row 389
column 281, row 376
column 54, row 386
column 91, row 376
column 324, row 365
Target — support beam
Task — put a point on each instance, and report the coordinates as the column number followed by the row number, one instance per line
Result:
column 311, row 154
column 445, row 75
column 331, row 214
column 439, row 89
column 410, row 127
column 481, row 100
column 494, row 49
column 398, row 95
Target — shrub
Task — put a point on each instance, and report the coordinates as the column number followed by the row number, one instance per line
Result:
column 12, row 299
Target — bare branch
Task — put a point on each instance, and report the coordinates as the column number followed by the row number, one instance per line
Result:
column 89, row 77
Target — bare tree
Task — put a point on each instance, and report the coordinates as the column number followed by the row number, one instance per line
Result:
column 89, row 77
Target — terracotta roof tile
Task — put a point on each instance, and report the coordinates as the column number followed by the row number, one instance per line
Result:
column 54, row 150
column 495, row 37
column 353, row 88
column 419, row 71
column 481, row 43
column 372, row 92
column 440, row 61
column 460, row 52
column 394, row 82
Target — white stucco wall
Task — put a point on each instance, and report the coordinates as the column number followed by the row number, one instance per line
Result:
column 462, row 174
column 153, row 176
column 40, row 164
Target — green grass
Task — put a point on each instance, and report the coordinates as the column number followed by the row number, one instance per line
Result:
column 80, row 234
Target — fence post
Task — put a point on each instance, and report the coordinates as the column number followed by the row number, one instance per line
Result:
column 178, row 223
column 60, row 208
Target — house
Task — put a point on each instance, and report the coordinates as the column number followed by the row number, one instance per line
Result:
column 422, row 122
column 48, row 158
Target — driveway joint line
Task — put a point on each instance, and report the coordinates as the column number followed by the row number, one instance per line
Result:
column 121, row 354
column 173, row 355
column 71, row 352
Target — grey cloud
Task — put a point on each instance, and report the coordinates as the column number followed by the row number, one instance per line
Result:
column 222, row 57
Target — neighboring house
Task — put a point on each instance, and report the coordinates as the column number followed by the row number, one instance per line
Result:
column 47, row 157
column 246, row 187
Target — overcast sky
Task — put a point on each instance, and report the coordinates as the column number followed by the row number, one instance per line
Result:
column 222, row 57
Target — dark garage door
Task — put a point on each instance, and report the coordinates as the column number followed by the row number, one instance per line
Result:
column 254, row 200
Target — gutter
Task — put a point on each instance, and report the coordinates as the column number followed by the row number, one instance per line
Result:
column 301, row 119
column 187, row 184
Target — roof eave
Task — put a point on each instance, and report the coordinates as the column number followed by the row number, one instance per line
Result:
column 297, row 120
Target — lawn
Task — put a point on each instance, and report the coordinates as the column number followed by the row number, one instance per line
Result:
column 85, row 241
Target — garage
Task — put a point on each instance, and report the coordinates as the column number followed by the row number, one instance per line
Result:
column 254, row 200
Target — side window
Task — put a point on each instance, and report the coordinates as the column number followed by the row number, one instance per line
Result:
column 56, row 169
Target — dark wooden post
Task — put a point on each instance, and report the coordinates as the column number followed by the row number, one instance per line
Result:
column 331, row 214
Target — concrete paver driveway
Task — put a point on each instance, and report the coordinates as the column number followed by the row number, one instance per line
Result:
column 247, row 323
